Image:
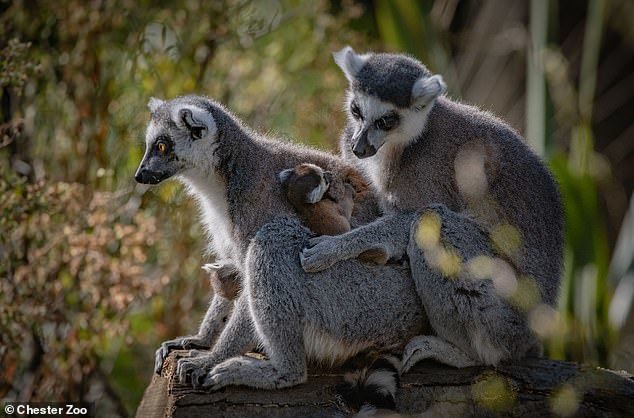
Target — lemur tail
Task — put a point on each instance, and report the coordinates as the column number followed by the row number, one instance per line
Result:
column 373, row 387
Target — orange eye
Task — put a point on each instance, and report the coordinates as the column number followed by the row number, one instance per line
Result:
column 161, row 147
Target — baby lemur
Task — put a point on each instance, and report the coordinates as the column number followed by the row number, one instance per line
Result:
column 324, row 201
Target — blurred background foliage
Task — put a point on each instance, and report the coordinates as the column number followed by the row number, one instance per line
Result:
column 96, row 271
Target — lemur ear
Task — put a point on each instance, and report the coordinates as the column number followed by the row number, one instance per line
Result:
column 284, row 176
column 197, row 121
column 154, row 104
column 426, row 89
column 349, row 61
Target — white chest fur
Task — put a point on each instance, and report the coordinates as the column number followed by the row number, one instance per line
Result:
column 210, row 192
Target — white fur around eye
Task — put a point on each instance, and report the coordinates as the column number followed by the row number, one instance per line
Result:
column 410, row 127
column 150, row 133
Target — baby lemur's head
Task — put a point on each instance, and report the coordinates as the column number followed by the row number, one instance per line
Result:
column 305, row 183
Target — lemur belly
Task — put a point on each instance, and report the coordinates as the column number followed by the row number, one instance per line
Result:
column 322, row 348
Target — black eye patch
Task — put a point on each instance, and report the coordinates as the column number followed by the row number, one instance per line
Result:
column 387, row 122
column 356, row 111
column 164, row 144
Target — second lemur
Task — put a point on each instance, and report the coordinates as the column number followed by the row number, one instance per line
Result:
column 450, row 173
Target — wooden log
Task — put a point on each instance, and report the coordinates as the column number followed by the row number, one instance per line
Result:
column 533, row 387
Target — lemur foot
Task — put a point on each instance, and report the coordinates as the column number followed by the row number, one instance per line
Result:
column 195, row 367
column 180, row 343
column 321, row 253
column 434, row 348
column 250, row 372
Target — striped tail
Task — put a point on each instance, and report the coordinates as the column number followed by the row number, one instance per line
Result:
column 374, row 387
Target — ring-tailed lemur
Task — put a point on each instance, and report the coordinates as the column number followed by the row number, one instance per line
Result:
column 439, row 165
column 324, row 201
column 295, row 317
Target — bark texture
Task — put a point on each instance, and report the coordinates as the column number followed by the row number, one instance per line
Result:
column 535, row 387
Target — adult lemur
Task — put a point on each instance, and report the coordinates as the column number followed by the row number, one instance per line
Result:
column 294, row 316
column 438, row 165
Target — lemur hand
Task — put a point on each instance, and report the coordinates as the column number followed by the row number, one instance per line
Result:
column 181, row 343
column 322, row 252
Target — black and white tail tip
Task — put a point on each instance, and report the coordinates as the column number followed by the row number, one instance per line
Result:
column 373, row 388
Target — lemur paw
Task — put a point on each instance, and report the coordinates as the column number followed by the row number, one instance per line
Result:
column 322, row 252
column 414, row 352
column 195, row 367
column 431, row 347
column 181, row 343
column 223, row 374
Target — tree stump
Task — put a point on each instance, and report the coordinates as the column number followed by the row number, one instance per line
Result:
column 532, row 387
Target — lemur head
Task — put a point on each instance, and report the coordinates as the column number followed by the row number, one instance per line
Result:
column 389, row 98
column 181, row 135
column 305, row 183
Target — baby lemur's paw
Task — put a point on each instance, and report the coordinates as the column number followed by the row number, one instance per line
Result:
column 180, row 343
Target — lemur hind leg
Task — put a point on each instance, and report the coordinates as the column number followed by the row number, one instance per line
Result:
column 275, row 300
column 236, row 339
column 465, row 311
column 213, row 323
column 428, row 347
column 247, row 371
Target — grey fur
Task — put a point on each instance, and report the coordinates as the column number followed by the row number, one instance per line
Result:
column 295, row 317
column 431, row 169
column 390, row 77
column 212, row 325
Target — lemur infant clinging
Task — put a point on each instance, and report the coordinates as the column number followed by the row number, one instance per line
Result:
column 325, row 201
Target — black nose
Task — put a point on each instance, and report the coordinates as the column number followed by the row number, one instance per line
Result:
column 145, row 176
column 363, row 150
column 141, row 176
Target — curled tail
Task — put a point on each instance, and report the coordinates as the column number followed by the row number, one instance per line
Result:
column 372, row 387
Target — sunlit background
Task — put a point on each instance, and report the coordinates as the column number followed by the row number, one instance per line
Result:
column 96, row 271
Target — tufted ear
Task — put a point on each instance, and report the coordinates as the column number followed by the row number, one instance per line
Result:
column 197, row 121
column 426, row 89
column 285, row 175
column 349, row 61
column 154, row 104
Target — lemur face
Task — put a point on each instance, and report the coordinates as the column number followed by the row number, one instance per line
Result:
column 179, row 134
column 388, row 100
column 306, row 183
